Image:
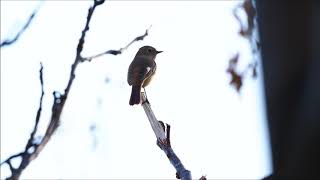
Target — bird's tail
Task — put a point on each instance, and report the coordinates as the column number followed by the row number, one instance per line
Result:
column 135, row 95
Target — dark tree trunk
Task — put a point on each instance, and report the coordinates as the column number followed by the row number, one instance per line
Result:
column 290, row 44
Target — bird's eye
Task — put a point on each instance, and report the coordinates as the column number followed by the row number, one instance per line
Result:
column 149, row 50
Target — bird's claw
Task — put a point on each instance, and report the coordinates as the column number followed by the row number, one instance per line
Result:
column 146, row 101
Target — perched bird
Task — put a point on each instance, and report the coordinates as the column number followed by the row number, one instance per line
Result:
column 140, row 71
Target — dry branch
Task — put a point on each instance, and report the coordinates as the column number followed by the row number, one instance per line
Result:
column 162, row 133
column 33, row 148
column 157, row 127
column 8, row 42
column 120, row 51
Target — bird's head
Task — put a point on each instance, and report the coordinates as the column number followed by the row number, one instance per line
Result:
column 148, row 51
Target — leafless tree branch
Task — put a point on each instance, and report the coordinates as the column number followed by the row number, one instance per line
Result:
column 162, row 133
column 33, row 148
column 30, row 150
column 120, row 51
column 8, row 42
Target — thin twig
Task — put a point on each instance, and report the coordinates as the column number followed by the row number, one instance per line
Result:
column 120, row 51
column 8, row 42
column 26, row 155
column 31, row 139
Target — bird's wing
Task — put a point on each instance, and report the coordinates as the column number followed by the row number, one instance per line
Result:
column 139, row 71
column 137, row 74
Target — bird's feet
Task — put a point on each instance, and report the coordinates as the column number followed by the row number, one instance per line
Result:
column 146, row 101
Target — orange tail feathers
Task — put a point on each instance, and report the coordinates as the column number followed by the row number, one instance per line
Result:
column 135, row 95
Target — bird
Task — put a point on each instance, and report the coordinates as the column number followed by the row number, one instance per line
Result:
column 141, row 71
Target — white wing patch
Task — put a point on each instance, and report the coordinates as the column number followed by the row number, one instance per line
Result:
column 148, row 69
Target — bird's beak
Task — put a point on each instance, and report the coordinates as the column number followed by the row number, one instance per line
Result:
column 159, row 52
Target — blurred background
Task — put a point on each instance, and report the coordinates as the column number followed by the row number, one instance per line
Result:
column 216, row 130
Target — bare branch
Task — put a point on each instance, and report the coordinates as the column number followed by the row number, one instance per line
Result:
column 156, row 126
column 31, row 139
column 11, row 157
column 79, row 49
column 8, row 42
column 163, row 140
column 16, row 172
column 120, row 51
column 33, row 148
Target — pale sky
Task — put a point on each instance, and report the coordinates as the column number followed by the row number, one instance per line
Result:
column 215, row 130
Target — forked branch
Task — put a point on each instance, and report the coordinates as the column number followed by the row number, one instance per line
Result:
column 162, row 133
column 33, row 147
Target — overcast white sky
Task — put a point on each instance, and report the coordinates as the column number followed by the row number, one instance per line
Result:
column 215, row 130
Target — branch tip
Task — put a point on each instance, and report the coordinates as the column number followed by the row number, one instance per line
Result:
column 8, row 42
column 117, row 52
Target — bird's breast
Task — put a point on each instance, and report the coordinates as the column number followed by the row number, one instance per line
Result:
column 148, row 79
